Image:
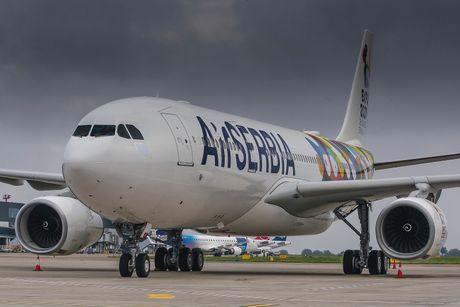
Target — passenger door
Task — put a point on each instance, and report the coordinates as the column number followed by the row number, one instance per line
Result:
column 183, row 142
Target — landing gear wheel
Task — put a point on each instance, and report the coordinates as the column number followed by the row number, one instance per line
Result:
column 198, row 259
column 142, row 265
column 374, row 263
column 185, row 259
column 384, row 263
column 160, row 259
column 358, row 267
column 351, row 262
column 125, row 265
column 171, row 261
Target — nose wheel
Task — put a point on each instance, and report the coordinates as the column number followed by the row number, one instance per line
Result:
column 126, row 266
column 141, row 265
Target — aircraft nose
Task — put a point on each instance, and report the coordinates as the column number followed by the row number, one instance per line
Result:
column 84, row 159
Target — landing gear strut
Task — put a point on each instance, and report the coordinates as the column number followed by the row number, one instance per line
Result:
column 132, row 259
column 354, row 261
column 178, row 256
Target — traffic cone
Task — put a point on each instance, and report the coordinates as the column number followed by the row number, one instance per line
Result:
column 394, row 264
column 400, row 272
column 37, row 266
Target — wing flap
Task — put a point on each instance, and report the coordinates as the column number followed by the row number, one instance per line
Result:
column 310, row 199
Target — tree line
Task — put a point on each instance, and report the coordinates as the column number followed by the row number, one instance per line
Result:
column 316, row 252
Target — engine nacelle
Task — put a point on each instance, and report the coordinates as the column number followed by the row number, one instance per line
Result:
column 56, row 225
column 235, row 251
column 411, row 228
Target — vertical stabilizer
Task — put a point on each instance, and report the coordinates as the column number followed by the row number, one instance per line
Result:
column 355, row 124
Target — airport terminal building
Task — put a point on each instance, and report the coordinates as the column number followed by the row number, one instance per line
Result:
column 8, row 212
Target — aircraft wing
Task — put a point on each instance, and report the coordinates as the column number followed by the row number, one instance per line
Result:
column 38, row 181
column 309, row 199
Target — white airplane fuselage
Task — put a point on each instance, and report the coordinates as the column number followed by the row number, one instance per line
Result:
column 200, row 168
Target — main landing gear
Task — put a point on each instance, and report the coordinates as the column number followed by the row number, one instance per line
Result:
column 354, row 261
column 132, row 259
column 178, row 257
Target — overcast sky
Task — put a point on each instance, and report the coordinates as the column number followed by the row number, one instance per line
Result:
column 290, row 63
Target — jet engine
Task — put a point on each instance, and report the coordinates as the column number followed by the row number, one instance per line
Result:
column 56, row 225
column 235, row 251
column 411, row 228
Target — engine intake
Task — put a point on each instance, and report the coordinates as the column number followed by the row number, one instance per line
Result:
column 57, row 225
column 234, row 251
column 411, row 228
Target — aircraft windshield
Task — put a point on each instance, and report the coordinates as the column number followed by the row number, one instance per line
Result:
column 135, row 133
column 103, row 130
column 121, row 131
column 82, row 131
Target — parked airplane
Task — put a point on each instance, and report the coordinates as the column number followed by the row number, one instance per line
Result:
column 266, row 245
column 152, row 161
column 209, row 244
column 216, row 245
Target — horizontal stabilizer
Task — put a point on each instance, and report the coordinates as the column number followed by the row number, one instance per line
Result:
column 416, row 161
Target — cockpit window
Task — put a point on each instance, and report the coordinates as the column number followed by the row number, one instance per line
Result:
column 82, row 131
column 121, row 131
column 103, row 130
column 135, row 133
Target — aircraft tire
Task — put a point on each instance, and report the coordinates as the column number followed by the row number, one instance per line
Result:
column 198, row 259
column 142, row 265
column 125, row 265
column 384, row 263
column 350, row 262
column 185, row 259
column 374, row 262
column 171, row 266
column 160, row 259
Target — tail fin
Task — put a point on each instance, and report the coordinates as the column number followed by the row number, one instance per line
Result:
column 355, row 124
column 262, row 238
column 279, row 239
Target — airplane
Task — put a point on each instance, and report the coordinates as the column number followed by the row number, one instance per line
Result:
column 217, row 245
column 152, row 162
column 266, row 245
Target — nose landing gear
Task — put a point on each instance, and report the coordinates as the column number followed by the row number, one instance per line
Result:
column 132, row 259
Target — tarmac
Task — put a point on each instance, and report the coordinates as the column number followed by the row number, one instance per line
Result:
column 93, row 281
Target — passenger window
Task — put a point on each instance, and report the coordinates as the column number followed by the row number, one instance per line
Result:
column 135, row 133
column 121, row 131
column 103, row 130
column 82, row 131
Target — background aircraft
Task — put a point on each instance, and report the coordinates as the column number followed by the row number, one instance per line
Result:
column 266, row 245
column 217, row 245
